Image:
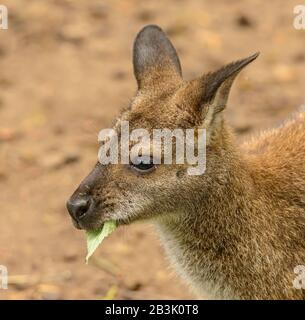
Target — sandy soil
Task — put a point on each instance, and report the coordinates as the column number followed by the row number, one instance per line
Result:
column 65, row 74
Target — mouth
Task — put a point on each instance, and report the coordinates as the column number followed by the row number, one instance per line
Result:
column 95, row 222
column 88, row 224
column 76, row 224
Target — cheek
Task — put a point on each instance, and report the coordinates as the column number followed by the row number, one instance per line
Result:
column 157, row 184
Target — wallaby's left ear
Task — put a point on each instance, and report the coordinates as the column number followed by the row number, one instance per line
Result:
column 217, row 86
column 155, row 59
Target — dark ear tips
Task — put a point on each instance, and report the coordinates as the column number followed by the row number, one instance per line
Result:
column 253, row 56
column 236, row 66
column 226, row 74
column 240, row 64
column 150, row 27
column 152, row 48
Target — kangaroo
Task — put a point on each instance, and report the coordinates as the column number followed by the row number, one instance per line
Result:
column 238, row 230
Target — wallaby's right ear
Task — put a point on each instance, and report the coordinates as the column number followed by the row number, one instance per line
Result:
column 154, row 57
column 216, row 91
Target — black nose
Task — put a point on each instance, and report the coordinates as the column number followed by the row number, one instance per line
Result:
column 78, row 207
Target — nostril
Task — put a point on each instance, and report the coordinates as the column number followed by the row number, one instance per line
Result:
column 82, row 209
column 78, row 208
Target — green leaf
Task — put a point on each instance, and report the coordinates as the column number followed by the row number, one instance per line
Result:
column 95, row 238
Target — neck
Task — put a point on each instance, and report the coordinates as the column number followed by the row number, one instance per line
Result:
column 206, row 242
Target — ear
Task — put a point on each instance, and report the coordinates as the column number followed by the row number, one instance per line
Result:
column 154, row 57
column 216, row 87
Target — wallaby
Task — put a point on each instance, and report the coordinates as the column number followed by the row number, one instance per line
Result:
column 238, row 230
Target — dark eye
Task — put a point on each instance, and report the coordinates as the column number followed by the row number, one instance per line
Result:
column 143, row 164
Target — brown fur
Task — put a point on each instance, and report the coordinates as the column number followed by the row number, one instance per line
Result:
column 238, row 230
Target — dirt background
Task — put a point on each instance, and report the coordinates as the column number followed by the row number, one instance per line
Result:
column 65, row 72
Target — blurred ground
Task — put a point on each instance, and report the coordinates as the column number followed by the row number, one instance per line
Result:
column 65, row 74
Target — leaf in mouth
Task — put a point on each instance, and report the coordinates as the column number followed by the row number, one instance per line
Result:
column 95, row 238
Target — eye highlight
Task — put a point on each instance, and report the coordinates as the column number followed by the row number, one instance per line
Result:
column 143, row 164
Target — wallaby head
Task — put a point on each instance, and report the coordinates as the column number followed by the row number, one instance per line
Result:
column 126, row 193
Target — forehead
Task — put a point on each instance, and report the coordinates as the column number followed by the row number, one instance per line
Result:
column 160, row 111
